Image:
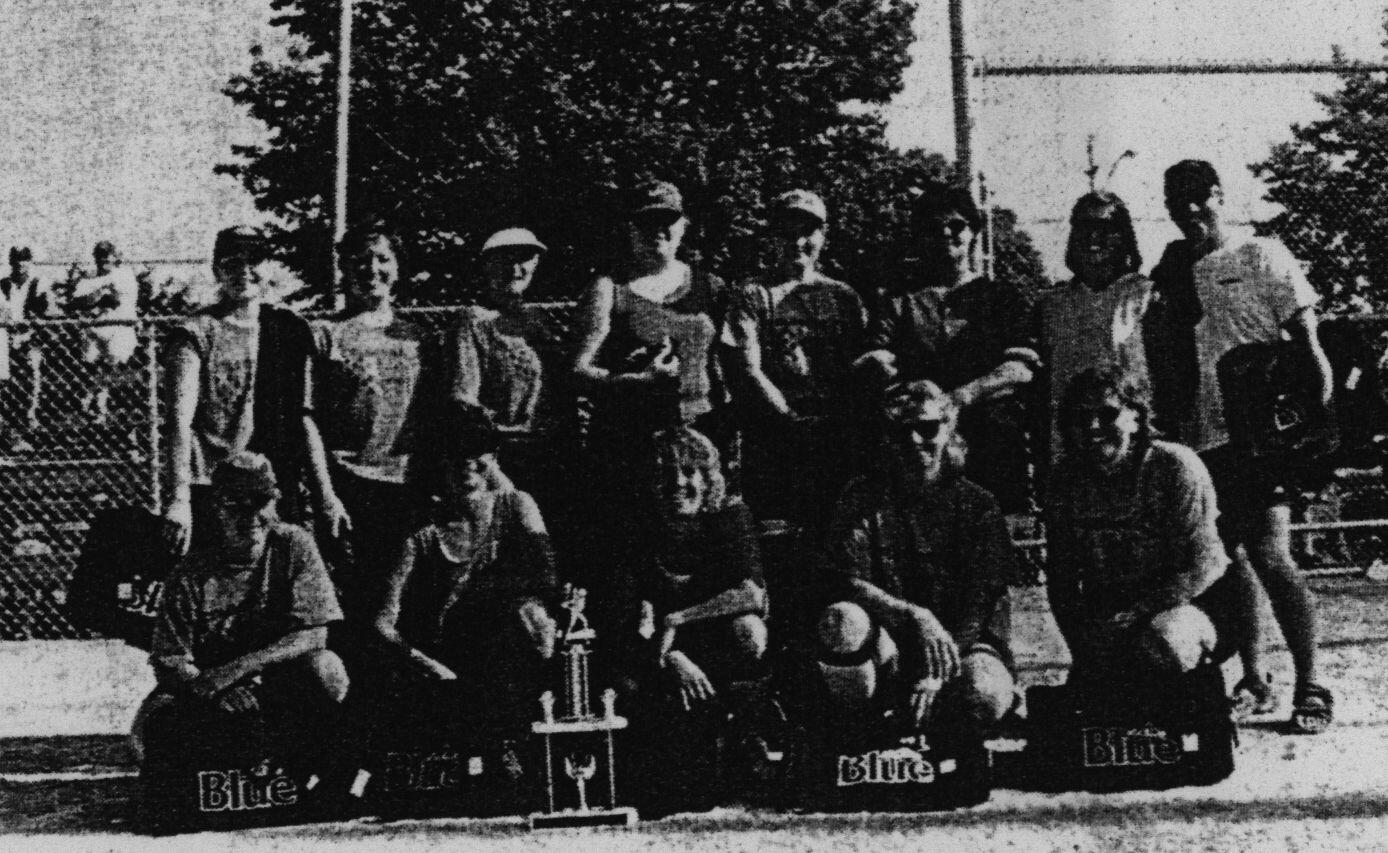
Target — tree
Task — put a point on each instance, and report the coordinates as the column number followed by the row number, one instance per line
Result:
column 1332, row 180
column 534, row 111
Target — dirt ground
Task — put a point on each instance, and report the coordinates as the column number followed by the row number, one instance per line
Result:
column 1328, row 792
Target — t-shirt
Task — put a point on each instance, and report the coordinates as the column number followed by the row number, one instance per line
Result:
column 366, row 384
column 1082, row 328
column 442, row 590
column 695, row 558
column 947, row 551
column 495, row 367
column 1121, row 538
column 224, row 420
column 19, row 301
column 212, row 613
column 111, row 344
column 254, row 390
column 1248, row 290
column 953, row 337
column 808, row 337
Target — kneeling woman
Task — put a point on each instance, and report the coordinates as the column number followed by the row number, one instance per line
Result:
column 1135, row 568
column 469, row 598
column 700, row 574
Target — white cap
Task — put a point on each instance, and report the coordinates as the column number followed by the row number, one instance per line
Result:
column 510, row 237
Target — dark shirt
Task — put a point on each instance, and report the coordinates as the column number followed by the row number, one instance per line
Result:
column 947, row 551
column 699, row 557
column 953, row 337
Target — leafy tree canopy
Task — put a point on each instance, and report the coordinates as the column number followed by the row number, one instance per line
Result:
column 532, row 112
column 1332, row 180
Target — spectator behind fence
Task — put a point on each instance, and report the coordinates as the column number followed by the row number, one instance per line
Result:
column 969, row 334
column 796, row 332
column 238, row 379
column 646, row 344
column 23, row 297
column 1225, row 296
column 470, row 596
column 919, row 561
column 242, row 623
column 1134, row 564
column 1095, row 318
column 367, row 386
column 112, row 294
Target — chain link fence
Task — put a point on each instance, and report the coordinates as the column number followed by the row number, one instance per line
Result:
column 80, row 432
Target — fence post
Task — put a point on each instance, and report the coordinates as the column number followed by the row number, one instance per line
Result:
column 156, row 461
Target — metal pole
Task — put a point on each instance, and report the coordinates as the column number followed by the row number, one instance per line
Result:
column 344, row 104
column 960, row 63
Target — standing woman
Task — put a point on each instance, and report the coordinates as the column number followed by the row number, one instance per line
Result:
column 796, row 332
column 646, row 353
column 370, row 366
column 239, row 380
column 1095, row 319
column 494, row 368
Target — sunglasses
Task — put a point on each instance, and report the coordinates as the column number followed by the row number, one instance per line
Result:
column 1106, row 415
column 922, row 430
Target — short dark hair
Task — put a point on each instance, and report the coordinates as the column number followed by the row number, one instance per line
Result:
column 362, row 234
column 1122, row 219
column 939, row 198
column 1129, row 387
column 1192, row 173
column 104, row 249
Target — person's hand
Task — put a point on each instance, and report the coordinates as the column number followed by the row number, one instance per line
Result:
column 238, row 700
column 939, row 653
column 921, row 702
column 212, row 682
column 336, row 522
column 540, row 627
column 666, row 364
column 1016, row 371
column 178, row 526
column 694, row 685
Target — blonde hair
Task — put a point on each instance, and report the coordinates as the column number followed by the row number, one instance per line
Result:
column 678, row 447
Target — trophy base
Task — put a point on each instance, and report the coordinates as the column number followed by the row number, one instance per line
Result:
column 624, row 816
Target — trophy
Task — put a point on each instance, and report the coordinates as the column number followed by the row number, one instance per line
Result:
column 582, row 738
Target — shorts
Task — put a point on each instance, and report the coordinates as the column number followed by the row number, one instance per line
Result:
column 1246, row 487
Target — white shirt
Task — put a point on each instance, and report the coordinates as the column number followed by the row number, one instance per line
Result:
column 1249, row 290
column 1083, row 328
column 111, row 344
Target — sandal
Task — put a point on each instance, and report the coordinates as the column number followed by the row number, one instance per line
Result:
column 1253, row 696
column 1313, row 709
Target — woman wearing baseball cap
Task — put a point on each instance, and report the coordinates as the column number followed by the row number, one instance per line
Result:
column 646, row 355
column 796, row 333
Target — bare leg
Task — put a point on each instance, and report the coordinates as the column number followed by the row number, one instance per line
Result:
column 1292, row 601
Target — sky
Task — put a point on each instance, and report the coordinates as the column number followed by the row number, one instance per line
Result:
column 114, row 116
column 1031, row 132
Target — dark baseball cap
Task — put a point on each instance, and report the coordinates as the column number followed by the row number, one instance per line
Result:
column 651, row 197
column 104, row 249
column 21, row 253
column 238, row 241
column 246, row 477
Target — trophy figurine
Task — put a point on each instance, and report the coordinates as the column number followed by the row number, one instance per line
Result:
column 584, row 739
